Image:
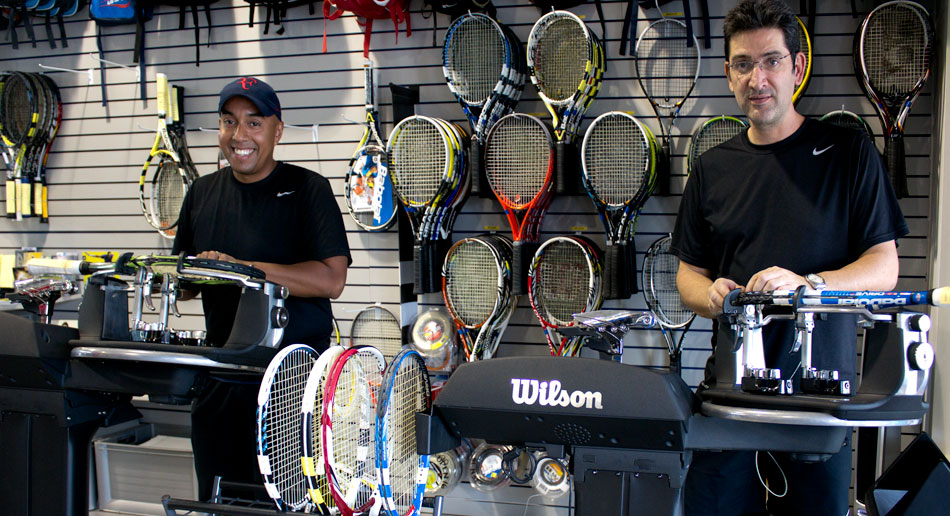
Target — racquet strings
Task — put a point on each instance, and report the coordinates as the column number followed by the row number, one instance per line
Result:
column 667, row 67
column 847, row 119
column 562, row 279
column 712, row 133
column 279, row 427
column 474, row 59
column 471, row 287
column 17, row 108
column 168, row 194
column 517, row 160
column 376, row 326
column 418, row 161
column 560, row 58
column 616, row 160
column 896, row 49
column 663, row 268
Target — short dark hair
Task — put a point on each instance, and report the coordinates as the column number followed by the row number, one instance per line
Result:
column 762, row 14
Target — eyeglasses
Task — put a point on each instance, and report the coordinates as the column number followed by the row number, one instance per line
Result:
column 768, row 64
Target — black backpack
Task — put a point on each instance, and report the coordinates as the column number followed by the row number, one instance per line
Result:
column 182, row 9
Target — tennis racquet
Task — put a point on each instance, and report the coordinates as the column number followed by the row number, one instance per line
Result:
column 368, row 189
column 618, row 160
column 519, row 166
column 893, row 56
column 177, row 131
column 843, row 118
column 279, row 448
column 805, row 47
column 476, row 286
column 169, row 182
column 713, row 132
column 426, row 173
column 402, row 472
column 311, row 410
column 566, row 63
column 19, row 115
column 41, row 193
column 34, row 148
column 376, row 326
column 659, row 288
column 564, row 279
column 874, row 299
column 348, row 430
column 479, row 61
column 667, row 69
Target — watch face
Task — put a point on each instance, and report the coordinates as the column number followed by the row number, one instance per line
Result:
column 816, row 281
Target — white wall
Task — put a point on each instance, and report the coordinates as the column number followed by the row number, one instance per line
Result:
column 97, row 157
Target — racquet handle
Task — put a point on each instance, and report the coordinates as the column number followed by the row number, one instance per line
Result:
column 11, row 198
column 630, row 262
column 936, row 297
column 480, row 185
column 663, row 170
column 566, row 176
column 38, row 266
column 161, row 86
column 418, row 266
column 614, row 282
column 519, row 278
column 896, row 166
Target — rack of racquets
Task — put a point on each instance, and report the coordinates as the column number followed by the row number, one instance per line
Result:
column 31, row 112
column 336, row 432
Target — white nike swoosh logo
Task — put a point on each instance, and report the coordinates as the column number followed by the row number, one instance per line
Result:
column 281, row 194
column 816, row 152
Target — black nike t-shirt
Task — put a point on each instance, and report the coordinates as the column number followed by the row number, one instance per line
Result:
column 810, row 203
column 288, row 217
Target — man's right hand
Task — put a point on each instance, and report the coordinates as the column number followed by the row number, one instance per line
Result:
column 716, row 294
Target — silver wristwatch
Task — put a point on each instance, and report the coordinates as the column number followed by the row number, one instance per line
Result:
column 816, row 281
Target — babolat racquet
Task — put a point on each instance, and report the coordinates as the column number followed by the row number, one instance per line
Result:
column 484, row 69
column 41, row 193
column 311, row 410
column 279, row 448
column 19, row 115
column 564, row 279
column 427, row 173
column 34, row 150
column 872, row 299
column 376, row 326
column 804, row 46
column 566, row 63
column 368, row 189
column 659, row 288
column 667, row 69
column 519, row 166
column 476, row 286
column 713, row 132
column 401, row 470
column 177, row 132
column 893, row 55
column 619, row 164
column 169, row 181
column 348, row 428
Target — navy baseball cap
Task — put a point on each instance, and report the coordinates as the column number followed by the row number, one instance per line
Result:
column 255, row 90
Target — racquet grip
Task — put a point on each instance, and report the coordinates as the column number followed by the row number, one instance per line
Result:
column 568, row 177
column 630, row 263
column 417, row 268
column 26, row 197
column 663, row 171
column 614, row 282
column 11, row 198
column 519, row 273
column 480, row 185
column 560, row 172
column 896, row 166
column 161, row 86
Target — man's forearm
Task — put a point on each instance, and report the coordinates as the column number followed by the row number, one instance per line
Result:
column 308, row 279
column 876, row 269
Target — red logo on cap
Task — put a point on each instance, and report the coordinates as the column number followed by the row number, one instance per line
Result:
column 247, row 82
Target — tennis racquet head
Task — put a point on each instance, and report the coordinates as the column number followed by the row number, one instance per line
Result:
column 619, row 169
column 401, row 470
column 714, row 131
column 476, row 283
column 850, row 120
column 348, row 428
column 519, row 167
column 376, row 326
column 279, row 449
column 311, row 410
column 19, row 115
column 564, row 279
column 894, row 53
column 667, row 70
column 804, row 46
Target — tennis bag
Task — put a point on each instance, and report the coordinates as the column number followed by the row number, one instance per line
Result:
column 107, row 13
column 369, row 10
column 182, row 6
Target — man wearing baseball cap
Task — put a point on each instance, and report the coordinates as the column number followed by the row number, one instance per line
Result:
column 278, row 217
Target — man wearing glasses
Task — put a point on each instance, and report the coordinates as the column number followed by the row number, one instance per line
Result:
column 791, row 201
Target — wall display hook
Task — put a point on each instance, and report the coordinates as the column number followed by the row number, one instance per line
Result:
column 138, row 71
column 88, row 72
column 312, row 128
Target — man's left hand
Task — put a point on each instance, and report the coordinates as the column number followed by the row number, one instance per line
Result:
column 215, row 255
column 774, row 278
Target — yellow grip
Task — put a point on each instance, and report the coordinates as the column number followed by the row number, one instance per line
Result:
column 161, row 84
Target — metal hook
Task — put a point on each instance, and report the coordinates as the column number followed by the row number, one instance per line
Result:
column 86, row 72
column 138, row 71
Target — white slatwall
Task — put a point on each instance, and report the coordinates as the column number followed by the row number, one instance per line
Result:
column 96, row 161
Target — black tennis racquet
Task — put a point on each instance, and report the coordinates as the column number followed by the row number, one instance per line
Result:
column 376, row 326
column 667, row 69
column 893, row 56
column 401, row 470
column 713, row 132
column 659, row 288
column 19, row 114
column 279, row 448
column 41, row 192
column 619, row 165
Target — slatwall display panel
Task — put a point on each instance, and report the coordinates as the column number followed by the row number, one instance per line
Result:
column 97, row 156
